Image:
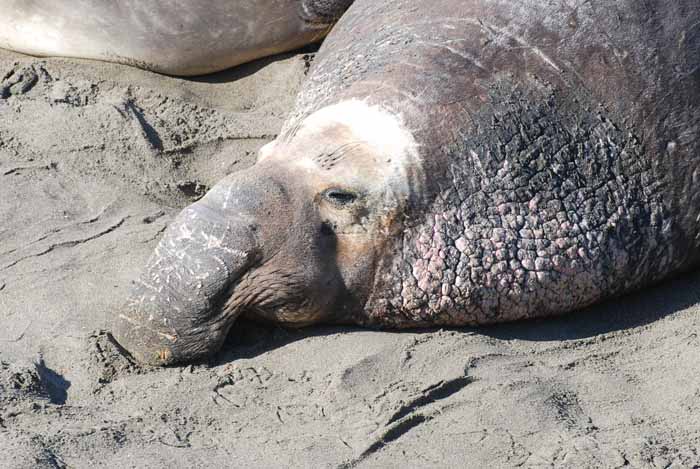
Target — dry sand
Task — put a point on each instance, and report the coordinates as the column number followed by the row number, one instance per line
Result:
column 96, row 158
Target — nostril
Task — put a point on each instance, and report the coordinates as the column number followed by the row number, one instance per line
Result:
column 142, row 339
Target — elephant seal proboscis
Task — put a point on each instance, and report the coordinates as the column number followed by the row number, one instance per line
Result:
column 454, row 162
column 166, row 36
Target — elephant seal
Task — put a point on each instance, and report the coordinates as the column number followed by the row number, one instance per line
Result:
column 456, row 162
column 166, row 36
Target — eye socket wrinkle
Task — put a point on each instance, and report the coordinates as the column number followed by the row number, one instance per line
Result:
column 327, row 160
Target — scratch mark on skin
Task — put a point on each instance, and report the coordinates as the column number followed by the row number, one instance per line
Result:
column 171, row 338
column 494, row 31
column 384, row 85
column 327, row 160
column 276, row 20
column 467, row 57
column 68, row 244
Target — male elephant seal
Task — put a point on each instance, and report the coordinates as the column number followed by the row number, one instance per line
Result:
column 453, row 162
column 167, row 36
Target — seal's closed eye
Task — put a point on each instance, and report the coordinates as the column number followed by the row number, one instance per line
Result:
column 340, row 197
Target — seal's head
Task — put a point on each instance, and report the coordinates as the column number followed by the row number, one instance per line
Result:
column 294, row 239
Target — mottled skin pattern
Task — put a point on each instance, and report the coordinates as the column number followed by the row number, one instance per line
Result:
column 448, row 163
column 540, row 212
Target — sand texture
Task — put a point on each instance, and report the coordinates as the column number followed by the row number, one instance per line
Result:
column 96, row 159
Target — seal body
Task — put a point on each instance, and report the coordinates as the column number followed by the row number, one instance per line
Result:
column 558, row 144
column 167, row 36
column 449, row 163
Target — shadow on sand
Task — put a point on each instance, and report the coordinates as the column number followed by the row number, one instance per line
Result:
column 56, row 385
column 633, row 310
column 245, row 70
column 249, row 339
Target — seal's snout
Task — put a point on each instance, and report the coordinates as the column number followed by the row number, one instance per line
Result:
column 176, row 309
column 142, row 341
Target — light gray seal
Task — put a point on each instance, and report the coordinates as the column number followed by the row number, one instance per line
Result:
column 167, row 36
column 453, row 162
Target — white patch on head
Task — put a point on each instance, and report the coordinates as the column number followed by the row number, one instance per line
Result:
column 383, row 132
